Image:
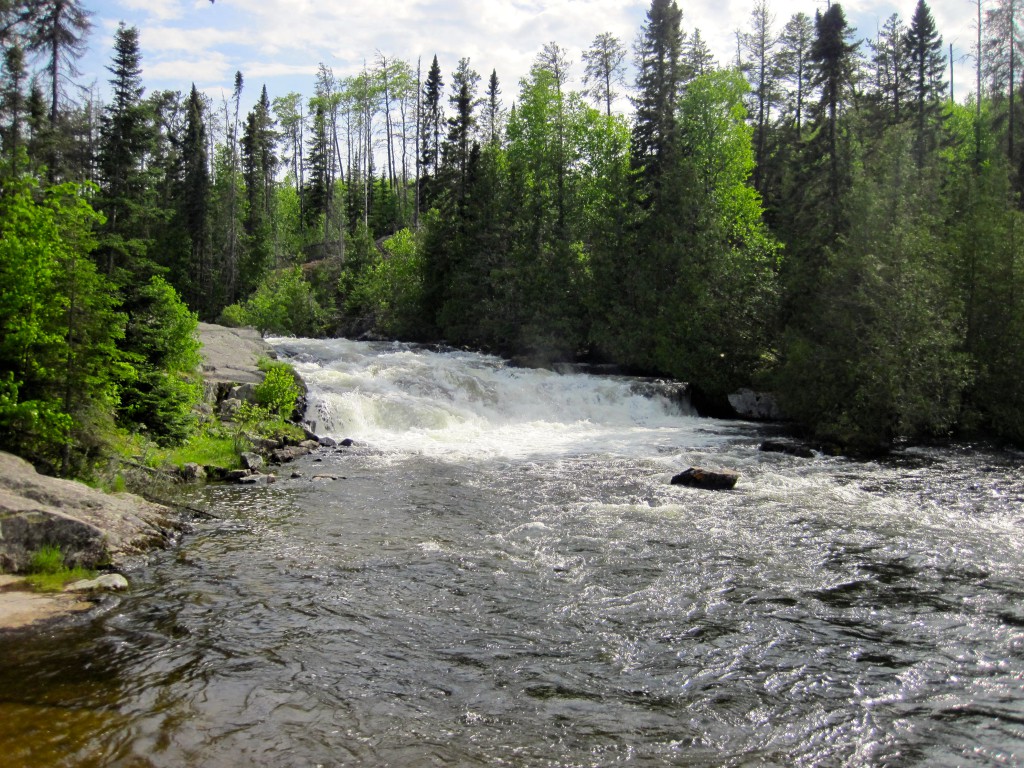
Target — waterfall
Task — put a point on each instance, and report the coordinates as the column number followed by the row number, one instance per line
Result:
column 461, row 404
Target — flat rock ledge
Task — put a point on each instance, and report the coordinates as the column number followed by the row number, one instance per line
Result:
column 91, row 527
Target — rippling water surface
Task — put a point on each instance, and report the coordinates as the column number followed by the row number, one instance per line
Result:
column 499, row 573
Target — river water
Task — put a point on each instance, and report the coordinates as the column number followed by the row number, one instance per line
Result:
column 499, row 573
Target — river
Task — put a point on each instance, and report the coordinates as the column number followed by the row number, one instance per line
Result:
column 498, row 573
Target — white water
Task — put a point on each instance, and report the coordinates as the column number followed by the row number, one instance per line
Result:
column 456, row 405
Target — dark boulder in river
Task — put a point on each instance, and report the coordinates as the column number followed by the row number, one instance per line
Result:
column 710, row 479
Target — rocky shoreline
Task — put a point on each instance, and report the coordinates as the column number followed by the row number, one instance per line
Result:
column 96, row 528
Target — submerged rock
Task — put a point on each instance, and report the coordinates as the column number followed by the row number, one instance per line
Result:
column 791, row 449
column 710, row 479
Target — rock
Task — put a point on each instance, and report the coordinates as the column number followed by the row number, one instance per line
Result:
column 90, row 527
column 231, row 355
column 252, row 461
column 192, row 473
column 347, row 443
column 310, row 434
column 288, row 453
column 257, row 480
column 328, row 442
column 309, row 445
column 243, row 392
column 296, row 475
column 710, row 479
column 325, row 477
column 264, row 444
column 237, row 475
column 229, row 407
column 792, row 449
column 759, row 406
column 108, row 582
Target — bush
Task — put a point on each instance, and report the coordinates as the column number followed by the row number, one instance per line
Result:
column 284, row 304
column 233, row 316
column 278, row 391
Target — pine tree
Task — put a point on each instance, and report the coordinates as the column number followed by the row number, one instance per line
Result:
column 833, row 55
column 59, row 29
column 760, row 43
column 194, row 206
column 493, row 116
column 125, row 137
column 697, row 58
column 431, row 124
column 794, row 66
column 604, row 69
column 891, row 66
column 928, row 84
column 658, row 82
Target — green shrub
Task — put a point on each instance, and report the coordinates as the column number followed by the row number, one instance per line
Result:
column 233, row 316
column 278, row 390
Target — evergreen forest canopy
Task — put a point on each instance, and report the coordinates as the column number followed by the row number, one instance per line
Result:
column 818, row 218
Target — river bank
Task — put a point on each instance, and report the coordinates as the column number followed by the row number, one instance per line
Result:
column 95, row 528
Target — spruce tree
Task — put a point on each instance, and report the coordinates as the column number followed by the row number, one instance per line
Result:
column 928, row 83
column 194, row 207
column 659, row 51
column 125, row 136
column 431, row 124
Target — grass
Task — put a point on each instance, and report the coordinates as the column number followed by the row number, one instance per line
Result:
column 48, row 573
column 208, row 448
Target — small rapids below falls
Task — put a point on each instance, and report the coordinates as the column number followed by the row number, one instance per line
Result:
column 498, row 573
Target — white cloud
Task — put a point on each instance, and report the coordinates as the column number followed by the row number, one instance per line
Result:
column 283, row 41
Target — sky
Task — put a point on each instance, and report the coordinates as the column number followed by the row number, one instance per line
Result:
column 280, row 43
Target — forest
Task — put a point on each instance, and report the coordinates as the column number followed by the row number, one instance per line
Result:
column 818, row 218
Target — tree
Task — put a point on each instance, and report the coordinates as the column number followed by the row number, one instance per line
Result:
column 126, row 135
column 697, row 58
column 604, row 69
column 432, row 120
column 194, row 206
column 928, row 84
column 493, row 116
column 794, row 65
column 59, row 29
column 760, row 43
column 59, row 363
column 833, row 56
column 12, row 103
column 891, row 66
column 657, row 85
column 161, row 343
column 1004, row 60
column 259, row 165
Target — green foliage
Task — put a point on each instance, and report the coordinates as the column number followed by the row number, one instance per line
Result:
column 278, row 391
column 161, row 339
column 390, row 287
column 284, row 304
column 59, row 364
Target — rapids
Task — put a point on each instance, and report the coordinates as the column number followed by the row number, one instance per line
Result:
column 498, row 572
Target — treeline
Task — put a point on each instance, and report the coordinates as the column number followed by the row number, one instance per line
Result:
column 816, row 217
